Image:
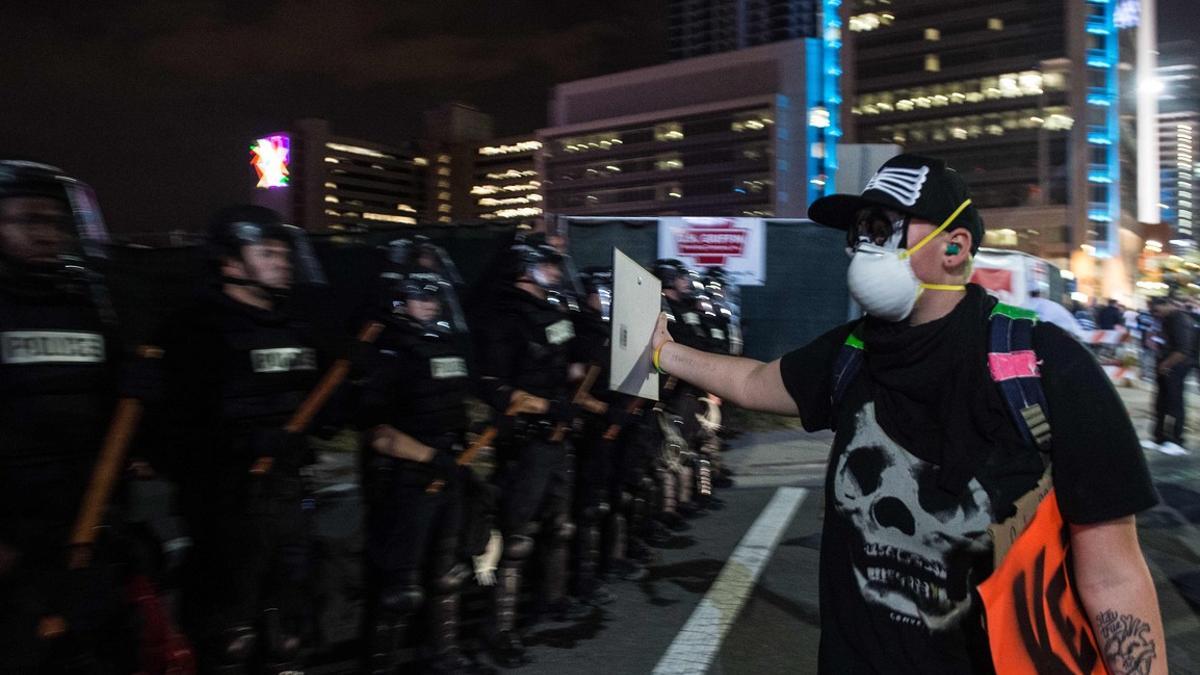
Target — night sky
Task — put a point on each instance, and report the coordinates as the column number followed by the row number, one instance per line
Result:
column 155, row 102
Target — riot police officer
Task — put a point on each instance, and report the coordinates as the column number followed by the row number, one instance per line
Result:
column 413, row 406
column 58, row 385
column 526, row 351
column 238, row 362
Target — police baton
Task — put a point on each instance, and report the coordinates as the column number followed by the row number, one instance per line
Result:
column 584, row 390
column 319, row 396
column 489, row 435
column 104, row 475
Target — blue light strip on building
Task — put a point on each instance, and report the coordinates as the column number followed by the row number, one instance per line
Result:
column 824, row 101
column 1104, row 215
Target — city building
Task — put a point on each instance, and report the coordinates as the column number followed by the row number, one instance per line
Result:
column 505, row 184
column 746, row 132
column 1024, row 98
column 323, row 182
column 1178, row 90
column 700, row 27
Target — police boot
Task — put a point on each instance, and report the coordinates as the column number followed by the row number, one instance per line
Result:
column 446, row 657
column 554, row 574
column 502, row 639
column 588, row 587
column 282, row 648
column 233, row 650
column 667, row 515
column 396, row 607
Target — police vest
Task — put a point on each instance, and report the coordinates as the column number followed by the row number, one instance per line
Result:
column 547, row 333
column 431, row 385
column 57, row 381
column 267, row 364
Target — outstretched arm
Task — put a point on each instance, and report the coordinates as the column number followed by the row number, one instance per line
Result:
column 744, row 382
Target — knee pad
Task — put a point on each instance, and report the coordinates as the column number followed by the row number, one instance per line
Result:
column 401, row 600
column 236, row 645
column 452, row 580
column 564, row 531
column 518, row 547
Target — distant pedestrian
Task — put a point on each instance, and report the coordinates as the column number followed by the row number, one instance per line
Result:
column 1175, row 358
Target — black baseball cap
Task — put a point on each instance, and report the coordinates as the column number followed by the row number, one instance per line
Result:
column 922, row 187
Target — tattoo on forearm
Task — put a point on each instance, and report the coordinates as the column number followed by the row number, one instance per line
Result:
column 1125, row 641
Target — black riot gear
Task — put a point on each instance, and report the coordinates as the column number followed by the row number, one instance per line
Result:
column 58, row 386
column 415, row 383
column 234, row 228
column 235, row 374
column 53, row 235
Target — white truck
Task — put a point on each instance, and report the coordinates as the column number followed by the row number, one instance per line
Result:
column 1011, row 275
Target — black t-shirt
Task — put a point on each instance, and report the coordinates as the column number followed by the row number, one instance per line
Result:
column 900, row 557
column 1177, row 331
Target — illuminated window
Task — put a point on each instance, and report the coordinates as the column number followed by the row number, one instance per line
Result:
column 995, row 24
column 443, row 183
column 443, row 219
column 444, row 196
column 665, row 191
column 420, row 161
column 520, row 146
column 443, row 208
column 668, row 131
column 405, row 207
column 443, row 159
column 332, row 186
column 388, row 218
column 932, row 63
column 443, row 171
column 357, row 150
column 669, row 162
column 933, row 34
column 331, row 199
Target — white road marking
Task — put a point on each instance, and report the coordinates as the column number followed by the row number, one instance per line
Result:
column 698, row 642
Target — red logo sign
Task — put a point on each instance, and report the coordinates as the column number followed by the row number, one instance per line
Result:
column 710, row 241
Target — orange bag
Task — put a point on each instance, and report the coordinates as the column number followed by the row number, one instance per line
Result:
column 1035, row 621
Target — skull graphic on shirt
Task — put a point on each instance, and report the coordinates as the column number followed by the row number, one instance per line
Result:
column 917, row 540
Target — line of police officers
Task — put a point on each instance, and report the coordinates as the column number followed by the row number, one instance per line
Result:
column 583, row 480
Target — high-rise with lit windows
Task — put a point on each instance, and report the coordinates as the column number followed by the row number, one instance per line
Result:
column 505, row 186
column 1178, row 89
column 1023, row 98
column 750, row 132
column 700, row 27
column 325, row 183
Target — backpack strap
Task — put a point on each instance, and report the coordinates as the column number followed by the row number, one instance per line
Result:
column 1011, row 362
column 1013, row 366
column 847, row 365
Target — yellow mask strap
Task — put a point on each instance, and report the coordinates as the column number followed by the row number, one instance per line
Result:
column 943, row 287
column 908, row 253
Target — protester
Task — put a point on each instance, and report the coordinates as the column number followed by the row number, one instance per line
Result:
column 926, row 455
column 1176, row 357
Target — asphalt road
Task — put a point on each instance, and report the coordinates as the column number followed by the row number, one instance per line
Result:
column 776, row 630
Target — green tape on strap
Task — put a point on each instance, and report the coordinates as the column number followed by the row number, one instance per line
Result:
column 853, row 342
column 1013, row 312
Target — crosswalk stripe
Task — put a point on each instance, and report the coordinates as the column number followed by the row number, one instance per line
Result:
column 700, row 639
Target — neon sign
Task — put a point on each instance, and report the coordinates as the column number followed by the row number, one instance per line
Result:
column 270, row 158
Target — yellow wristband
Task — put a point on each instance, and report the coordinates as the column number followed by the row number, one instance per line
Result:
column 657, row 357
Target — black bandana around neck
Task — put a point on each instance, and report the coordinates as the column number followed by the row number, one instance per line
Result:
column 931, row 387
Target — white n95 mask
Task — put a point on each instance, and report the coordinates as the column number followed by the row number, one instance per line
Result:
column 881, row 278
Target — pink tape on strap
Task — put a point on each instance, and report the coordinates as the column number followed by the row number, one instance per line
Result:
column 1013, row 365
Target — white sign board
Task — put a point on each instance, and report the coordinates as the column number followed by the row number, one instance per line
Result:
column 737, row 244
column 637, row 300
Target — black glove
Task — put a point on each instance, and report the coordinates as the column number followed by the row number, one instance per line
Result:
column 562, row 411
